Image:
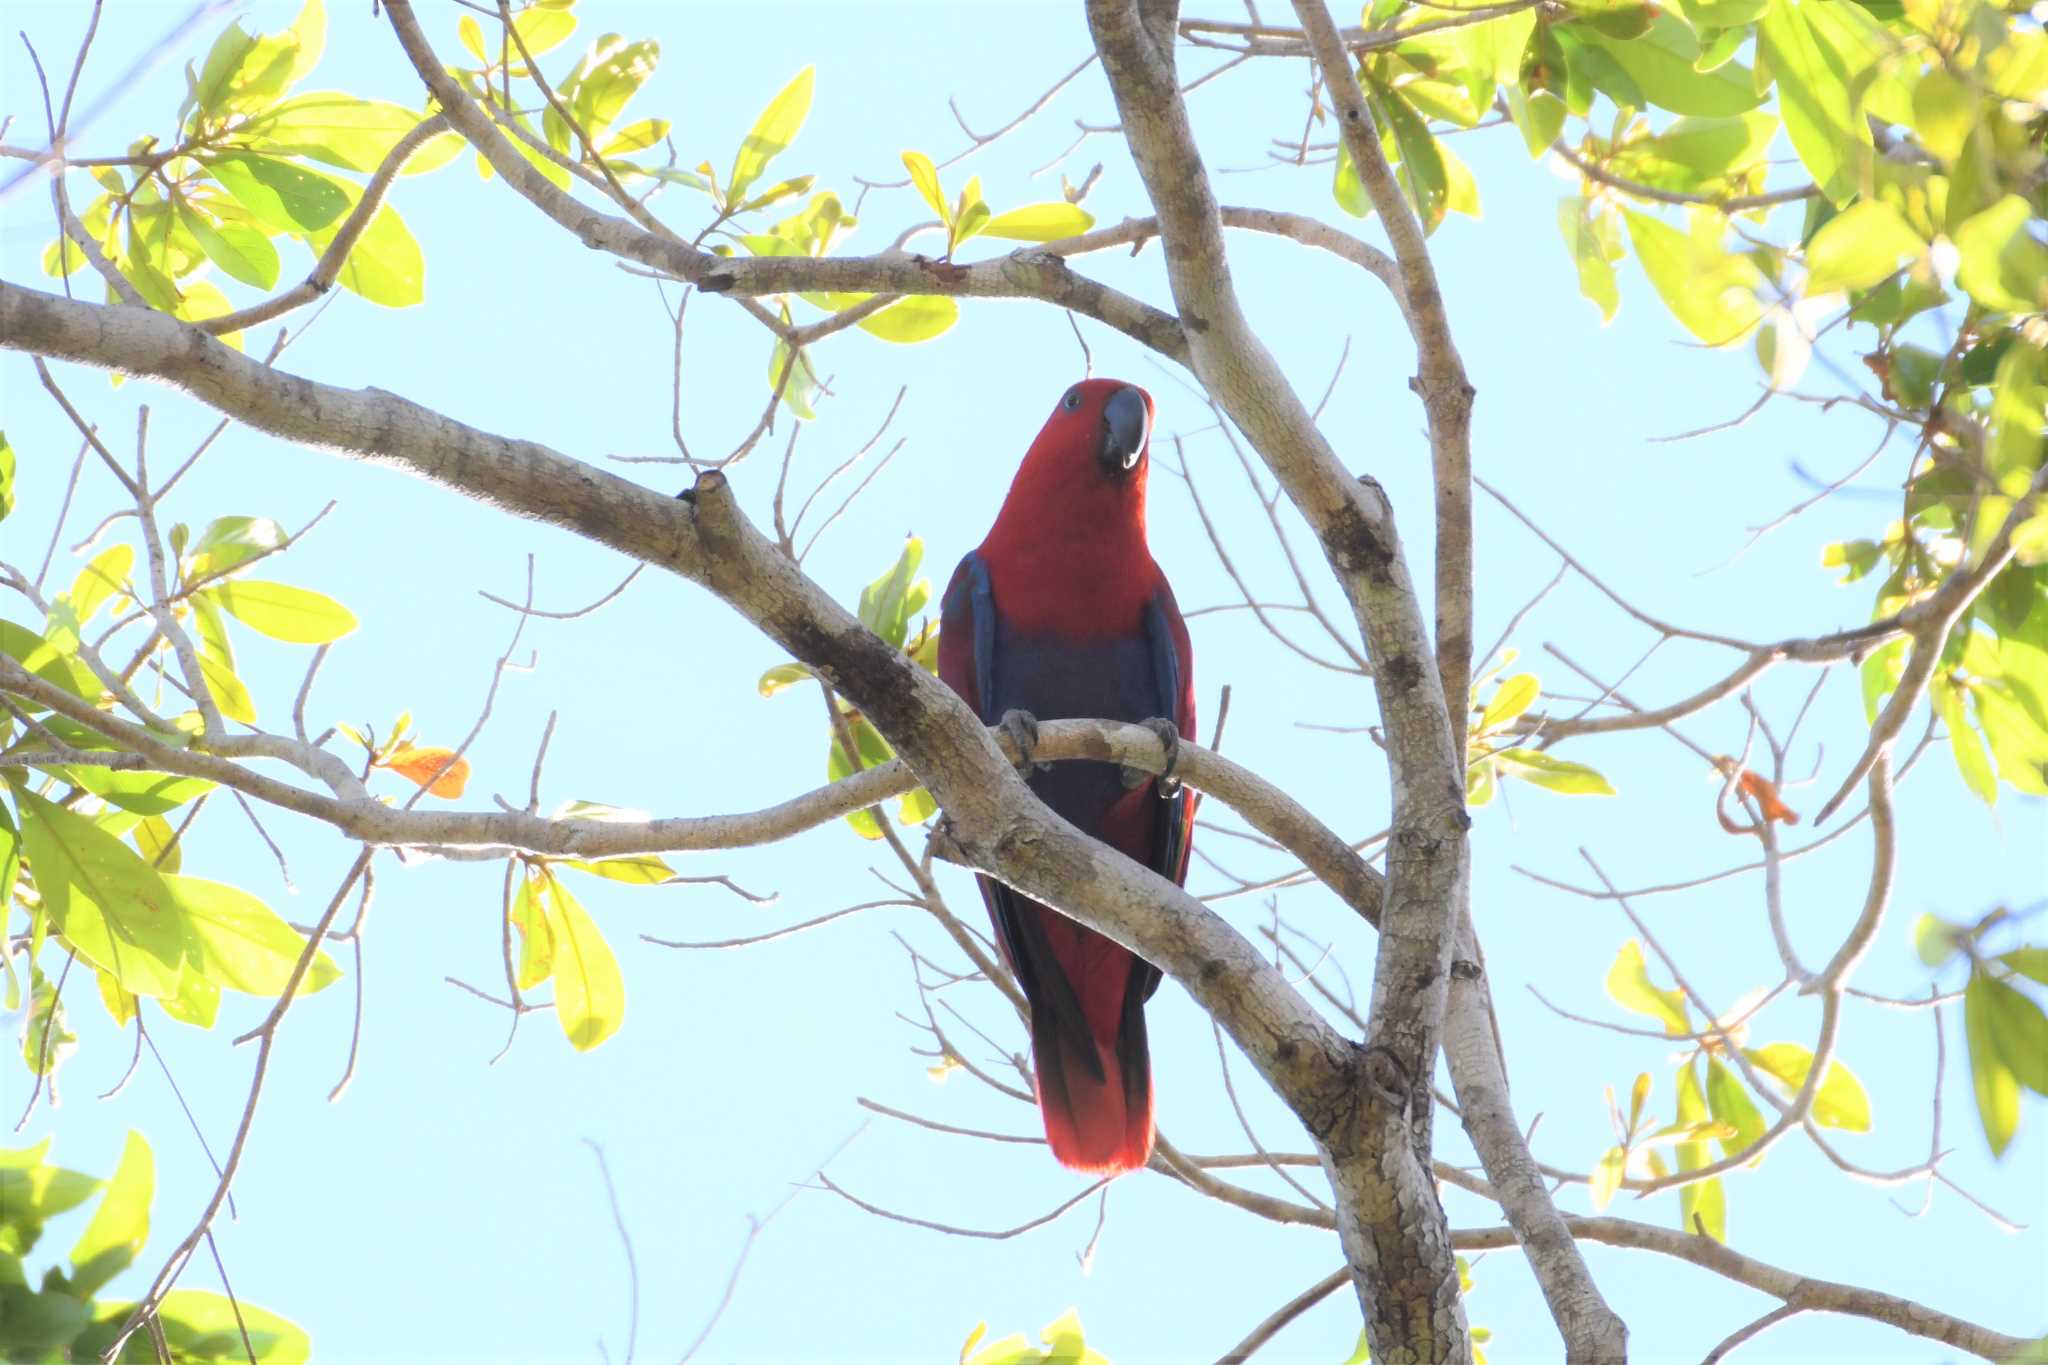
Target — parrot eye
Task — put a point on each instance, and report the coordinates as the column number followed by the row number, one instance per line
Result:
column 1072, row 402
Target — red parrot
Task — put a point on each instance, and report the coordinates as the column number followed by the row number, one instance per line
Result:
column 1062, row 613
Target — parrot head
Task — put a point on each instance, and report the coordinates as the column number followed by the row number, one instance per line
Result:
column 1084, row 476
column 1102, row 423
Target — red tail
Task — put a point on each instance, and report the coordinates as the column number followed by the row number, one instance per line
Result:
column 1103, row 1126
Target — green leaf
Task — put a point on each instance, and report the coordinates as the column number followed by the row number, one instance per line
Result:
column 1347, row 189
column 801, row 384
column 635, row 136
column 203, row 1326
column 874, row 751
column 1881, row 673
column 782, row 677
column 340, row 129
column 639, row 869
column 1702, row 1205
column 1839, row 1102
column 120, row 1225
column 543, row 27
column 2028, row 961
column 590, row 995
column 158, row 843
column 386, row 265
column 1661, row 62
column 1858, row 247
column 536, row 939
column 297, row 616
column 223, row 62
column 1551, row 773
column 610, row 76
column 282, row 196
column 1821, row 117
column 1589, row 254
column 1964, row 742
column 57, row 666
column 143, row 792
column 772, row 132
column 1711, row 292
column 1629, row 986
column 888, row 603
column 241, row 943
column 6, row 477
column 926, row 177
column 1538, row 115
column 1728, row 1102
column 1514, row 696
column 231, row 541
column 217, row 662
column 46, row 1042
column 1420, row 169
column 1040, row 222
column 2020, row 1032
column 241, row 252
column 2002, row 266
column 114, row 909
column 1991, row 1076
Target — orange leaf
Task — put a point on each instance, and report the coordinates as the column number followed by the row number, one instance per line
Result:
column 1765, row 793
column 421, row 765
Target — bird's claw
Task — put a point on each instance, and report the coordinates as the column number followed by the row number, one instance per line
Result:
column 1022, row 728
column 1169, row 740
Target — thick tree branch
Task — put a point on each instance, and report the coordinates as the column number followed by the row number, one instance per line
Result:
column 1030, row 273
column 994, row 823
column 1390, row 1221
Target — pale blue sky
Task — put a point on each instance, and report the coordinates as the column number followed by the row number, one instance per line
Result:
column 449, row 1211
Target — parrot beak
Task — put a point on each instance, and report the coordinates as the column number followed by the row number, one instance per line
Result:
column 1125, row 426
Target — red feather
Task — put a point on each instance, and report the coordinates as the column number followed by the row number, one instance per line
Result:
column 1087, row 627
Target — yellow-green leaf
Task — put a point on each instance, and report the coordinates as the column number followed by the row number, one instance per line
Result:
column 1040, row 222
column 772, row 132
column 1629, row 986
column 296, row 615
column 925, row 176
column 590, row 995
column 1839, row 1102
column 1858, row 247
column 1607, row 1177
column 1514, row 696
column 1710, row 291
column 120, row 1225
column 1991, row 1076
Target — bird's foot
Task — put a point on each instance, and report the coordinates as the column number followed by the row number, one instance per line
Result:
column 1022, row 728
column 1169, row 740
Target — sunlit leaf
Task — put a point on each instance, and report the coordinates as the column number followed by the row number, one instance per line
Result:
column 1709, row 290
column 1629, row 986
column 443, row 768
column 1858, row 247
column 120, row 1225
column 283, row 612
column 1991, row 1076
column 1607, row 1177
column 283, row 196
column 638, row 869
column 1514, row 696
column 241, row 252
column 1729, row 1103
column 241, row 943
column 1040, row 222
column 590, row 995
column 113, row 908
column 1839, row 1102
column 1552, row 773
column 926, row 177
column 772, row 132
